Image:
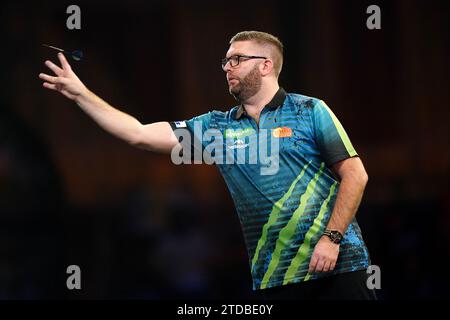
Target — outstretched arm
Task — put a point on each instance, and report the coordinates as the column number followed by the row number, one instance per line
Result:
column 158, row 137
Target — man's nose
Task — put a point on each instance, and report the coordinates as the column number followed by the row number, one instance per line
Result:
column 227, row 67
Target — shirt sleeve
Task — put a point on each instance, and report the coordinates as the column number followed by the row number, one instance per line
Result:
column 190, row 132
column 332, row 140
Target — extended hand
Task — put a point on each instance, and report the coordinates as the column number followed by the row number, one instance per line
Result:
column 66, row 81
column 324, row 256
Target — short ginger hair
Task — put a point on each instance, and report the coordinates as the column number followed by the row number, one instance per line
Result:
column 265, row 39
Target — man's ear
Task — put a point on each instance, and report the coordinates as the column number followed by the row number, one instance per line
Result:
column 266, row 67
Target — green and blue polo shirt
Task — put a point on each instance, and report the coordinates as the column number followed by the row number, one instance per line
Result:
column 283, row 214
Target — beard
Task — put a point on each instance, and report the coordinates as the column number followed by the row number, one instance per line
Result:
column 248, row 86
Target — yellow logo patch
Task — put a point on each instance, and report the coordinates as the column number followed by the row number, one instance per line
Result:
column 282, row 132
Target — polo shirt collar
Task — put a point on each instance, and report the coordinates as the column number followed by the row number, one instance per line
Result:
column 276, row 101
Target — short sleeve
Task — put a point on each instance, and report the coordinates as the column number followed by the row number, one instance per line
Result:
column 190, row 132
column 332, row 140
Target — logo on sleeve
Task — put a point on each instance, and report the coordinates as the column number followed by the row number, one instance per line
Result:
column 282, row 132
column 180, row 124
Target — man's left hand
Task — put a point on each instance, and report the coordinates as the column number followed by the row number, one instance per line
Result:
column 324, row 256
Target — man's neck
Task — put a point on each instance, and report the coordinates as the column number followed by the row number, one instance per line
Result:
column 255, row 104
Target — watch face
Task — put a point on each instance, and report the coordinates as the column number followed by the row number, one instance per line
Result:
column 336, row 236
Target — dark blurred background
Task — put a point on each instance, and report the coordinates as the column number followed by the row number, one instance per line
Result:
column 141, row 227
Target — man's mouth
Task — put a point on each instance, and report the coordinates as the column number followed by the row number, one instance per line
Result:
column 232, row 80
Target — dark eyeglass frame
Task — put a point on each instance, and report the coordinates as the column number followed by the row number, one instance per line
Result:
column 238, row 56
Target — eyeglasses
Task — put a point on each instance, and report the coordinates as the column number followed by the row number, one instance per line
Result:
column 234, row 60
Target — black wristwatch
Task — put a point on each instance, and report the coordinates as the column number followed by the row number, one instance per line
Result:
column 334, row 235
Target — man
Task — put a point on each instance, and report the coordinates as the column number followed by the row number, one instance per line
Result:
column 298, row 220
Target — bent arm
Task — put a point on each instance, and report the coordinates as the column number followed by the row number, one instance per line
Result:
column 353, row 182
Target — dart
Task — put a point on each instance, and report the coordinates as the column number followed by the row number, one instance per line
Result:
column 76, row 55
